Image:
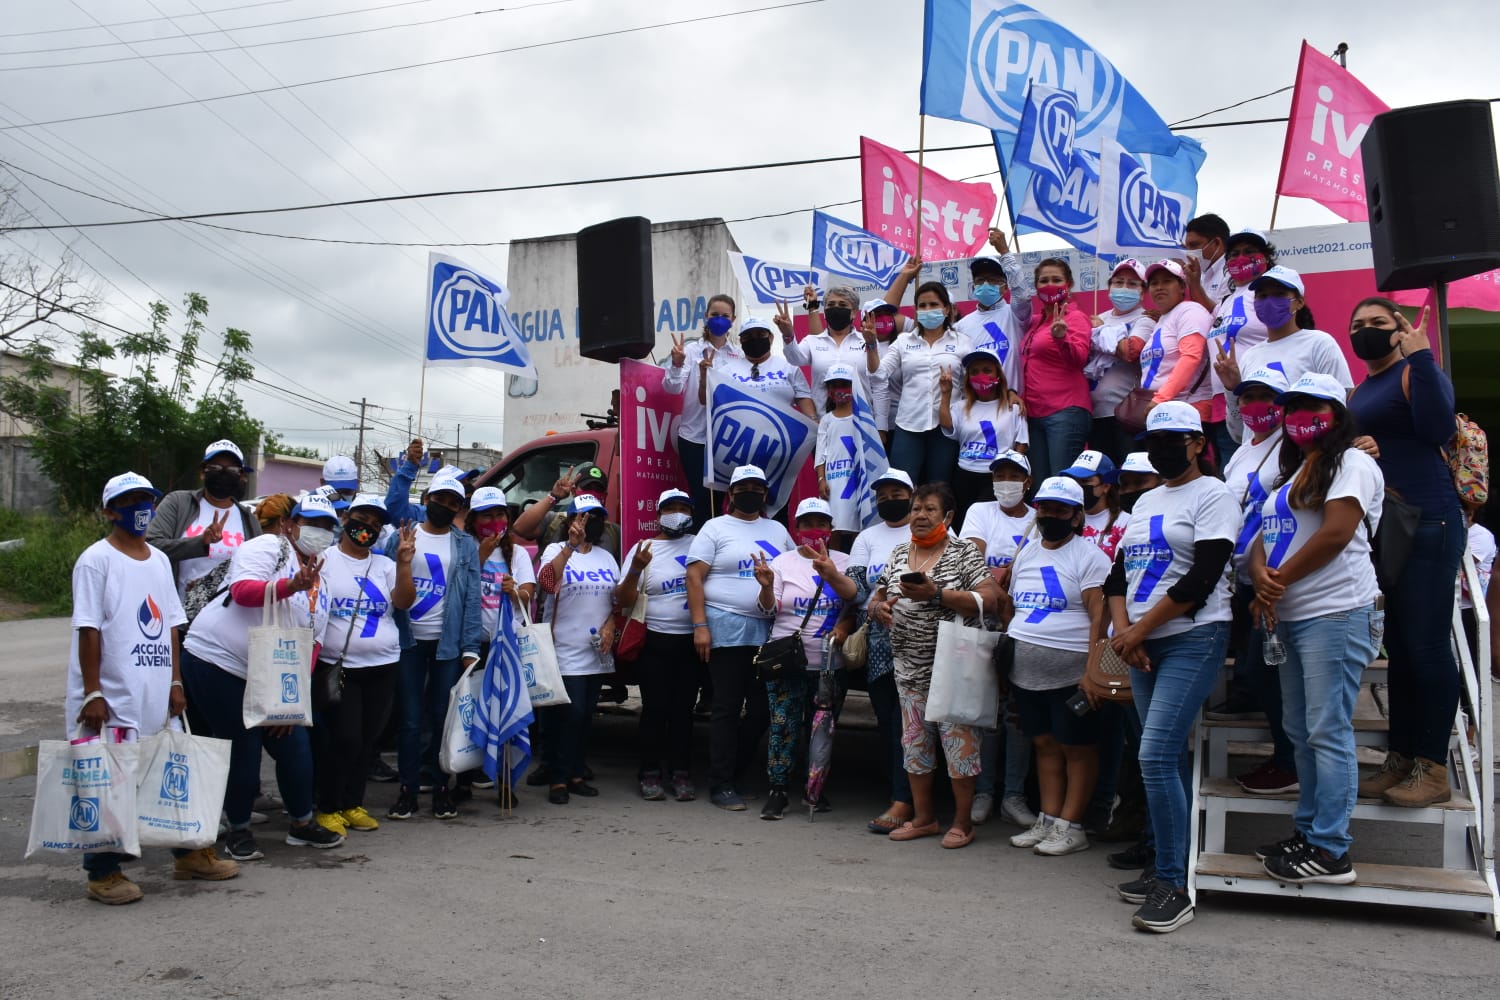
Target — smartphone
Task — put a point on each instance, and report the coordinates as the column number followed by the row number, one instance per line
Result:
column 913, row 578
column 1079, row 704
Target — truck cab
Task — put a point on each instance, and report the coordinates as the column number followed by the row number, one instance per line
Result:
column 529, row 472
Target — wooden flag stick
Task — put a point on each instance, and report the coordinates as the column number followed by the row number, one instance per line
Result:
column 921, row 173
column 1274, row 206
column 421, row 401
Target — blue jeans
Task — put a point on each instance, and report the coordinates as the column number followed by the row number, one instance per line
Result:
column 1224, row 443
column 1017, row 758
column 568, row 728
column 1056, row 440
column 102, row 864
column 425, row 683
column 928, row 457
column 1119, row 726
column 1168, row 697
column 1418, row 641
column 220, row 696
column 1325, row 658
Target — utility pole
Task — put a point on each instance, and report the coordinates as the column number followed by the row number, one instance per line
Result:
column 458, row 445
column 359, row 449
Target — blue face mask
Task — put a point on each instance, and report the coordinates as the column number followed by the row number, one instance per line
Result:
column 987, row 295
column 136, row 517
column 717, row 326
column 1125, row 299
column 931, row 319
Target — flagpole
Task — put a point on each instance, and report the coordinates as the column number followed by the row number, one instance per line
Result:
column 921, row 171
column 1010, row 210
column 421, row 399
column 1276, row 204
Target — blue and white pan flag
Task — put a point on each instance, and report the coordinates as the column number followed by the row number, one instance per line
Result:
column 768, row 282
column 467, row 320
column 1136, row 213
column 504, row 713
column 872, row 460
column 746, row 428
column 1048, row 124
column 843, row 248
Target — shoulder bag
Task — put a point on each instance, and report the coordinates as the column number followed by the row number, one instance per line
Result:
column 630, row 629
column 1107, row 673
column 328, row 678
column 778, row 659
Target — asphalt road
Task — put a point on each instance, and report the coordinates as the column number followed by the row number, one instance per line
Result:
column 615, row 897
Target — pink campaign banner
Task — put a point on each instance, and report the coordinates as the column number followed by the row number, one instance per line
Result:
column 648, row 448
column 1331, row 112
column 956, row 216
column 1478, row 291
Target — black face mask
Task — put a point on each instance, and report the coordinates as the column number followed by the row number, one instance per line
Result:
column 439, row 516
column 361, row 534
column 593, row 530
column 1054, row 529
column 1127, row 500
column 893, row 510
column 222, row 485
column 752, row 502
column 1169, row 458
column 1371, row 343
column 1090, row 497
column 755, row 347
column 838, row 317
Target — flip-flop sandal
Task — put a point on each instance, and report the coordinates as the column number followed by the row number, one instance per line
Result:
column 884, row 823
column 908, row 832
column 956, row 838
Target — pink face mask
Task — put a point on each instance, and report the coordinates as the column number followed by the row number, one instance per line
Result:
column 841, row 395
column 813, row 537
column 983, row 384
column 885, row 326
column 1260, row 417
column 1052, row 294
column 1245, row 269
column 1306, row 428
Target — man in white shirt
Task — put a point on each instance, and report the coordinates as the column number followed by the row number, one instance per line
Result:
column 1205, row 241
column 997, row 325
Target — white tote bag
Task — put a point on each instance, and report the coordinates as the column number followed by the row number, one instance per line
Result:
column 85, row 798
column 965, row 690
column 458, row 752
column 180, row 783
column 278, row 680
column 539, row 664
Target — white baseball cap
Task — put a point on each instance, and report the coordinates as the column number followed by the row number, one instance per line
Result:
column 1015, row 458
column 747, row 472
column 446, row 482
column 1173, row 415
column 487, row 497
column 1272, row 378
column 586, row 502
column 981, row 353
column 673, row 496
column 371, row 502
column 873, row 304
column 332, row 493
column 1317, row 385
column 224, row 447
column 837, row 372
column 1283, row 276
column 1091, row 463
column 315, row 505
column 128, row 482
column 340, row 473
column 754, row 323
column 1062, row 490
column 813, row 505
column 1172, row 267
column 893, row 476
column 1254, row 234
column 1139, row 461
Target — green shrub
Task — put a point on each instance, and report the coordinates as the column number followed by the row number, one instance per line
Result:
column 41, row 571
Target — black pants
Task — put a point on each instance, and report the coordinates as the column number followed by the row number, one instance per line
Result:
column 970, row 488
column 692, row 457
column 346, row 736
column 741, row 714
column 1109, row 437
column 668, row 672
column 569, row 727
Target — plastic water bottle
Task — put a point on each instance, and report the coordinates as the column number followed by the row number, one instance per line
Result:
column 597, row 641
column 1272, row 651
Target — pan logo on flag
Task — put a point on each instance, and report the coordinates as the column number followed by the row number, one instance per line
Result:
column 775, row 283
column 850, row 250
column 1150, row 214
column 83, row 814
column 1003, row 60
column 1056, row 120
column 174, row 781
column 1074, row 207
column 745, row 437
column 466, row 316
column 289, row 689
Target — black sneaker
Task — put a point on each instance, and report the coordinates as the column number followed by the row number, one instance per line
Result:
column 443, row 806
column 406, row 805
column 558, row 795
column 1137, row 889
column 651, row 789
column 1165, row 910
column 240, row 846
column 1136, row 856
column 1309, row 863
column 1281, row 848
column 310, row 834
column 506, row 798
column 538, row 777
column 583, row 788
column 727, row 799
column 1235, row 708
column 381, row 771
column 775, row 806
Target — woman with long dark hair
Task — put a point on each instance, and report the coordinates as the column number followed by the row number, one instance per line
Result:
column 907, row 388
column 985, row 421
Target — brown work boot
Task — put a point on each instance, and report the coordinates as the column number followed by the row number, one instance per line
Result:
column 204, row 864
column 1391, row 773
column 1426, row 785
column 114, row 889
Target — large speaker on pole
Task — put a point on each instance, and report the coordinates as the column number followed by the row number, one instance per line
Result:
column 1434, row 193
column 615, row 290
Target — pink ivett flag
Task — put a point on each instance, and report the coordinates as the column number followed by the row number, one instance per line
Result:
column 1331, row 112
column 1477, row 291
column 955, row 216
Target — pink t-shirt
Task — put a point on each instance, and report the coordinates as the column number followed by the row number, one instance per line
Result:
column 1052, row 369
column 796, row 583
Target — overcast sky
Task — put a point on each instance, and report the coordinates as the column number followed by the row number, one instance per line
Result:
column 339, row 322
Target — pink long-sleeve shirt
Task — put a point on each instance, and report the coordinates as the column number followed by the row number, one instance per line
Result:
column 1053, row 368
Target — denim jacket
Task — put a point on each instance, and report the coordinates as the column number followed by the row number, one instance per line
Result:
column 398, row 505
column 463, row 628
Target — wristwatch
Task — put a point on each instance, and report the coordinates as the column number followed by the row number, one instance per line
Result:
column 936, row 600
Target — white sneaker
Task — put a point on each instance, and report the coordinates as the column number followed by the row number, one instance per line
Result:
column 1063, row 838
column 984, row 804
column 1013, row 809
column 1038, row 833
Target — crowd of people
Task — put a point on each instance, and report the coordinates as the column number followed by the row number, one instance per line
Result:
column 1190, row 475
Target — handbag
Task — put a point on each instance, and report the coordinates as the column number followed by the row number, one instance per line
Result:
column 1392, row 542
column 328, row 678
column 1130, row 412
column 1004, row 657
column 965, row 690
column 1106, row 672
column 198, row 593
column 856, row 647
column 180, row 785
column 278, row 669
column 630, row 629
column 778, row 659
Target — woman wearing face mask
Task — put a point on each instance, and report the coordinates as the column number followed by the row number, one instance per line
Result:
column 441, row 634
column 930, row 579
column 214, row 664
column 1104, row 520
column 1137, row 476
column 727, row 570
column 984, row 421
column 807, row 578
column 998, row 325
column 1112, row 371
column 1255, row 686
column 1173, row 357
column 1291, row 346
column 360, row 591
column 880, row 322
column 838, row 471
column 867, row 559
column 1315, row 589
column 684, row 377
column 1406, row 404
column 840, row 344
column 199, row 529
column 779, row 382
column 908, row 390
column 1236, row 327
column 1169, row 602
column 1055, row 612
column 1053, row 356
column 667, row 668
column 501, row 573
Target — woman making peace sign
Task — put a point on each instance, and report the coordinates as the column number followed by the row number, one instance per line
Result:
column 1057, row 345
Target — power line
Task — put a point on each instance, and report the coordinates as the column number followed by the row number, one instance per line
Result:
column 1231, row 107
column 419, row 65
column 150, row 20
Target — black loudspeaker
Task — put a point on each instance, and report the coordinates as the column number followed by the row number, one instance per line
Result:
column 614, row 290
column 1433, row 192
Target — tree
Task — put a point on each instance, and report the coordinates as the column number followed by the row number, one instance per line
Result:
column 149, row 420
column 276, row 446
column 34, row 295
